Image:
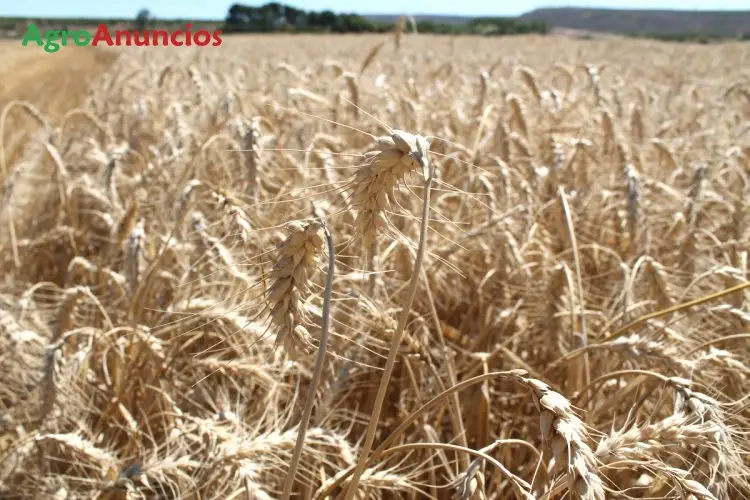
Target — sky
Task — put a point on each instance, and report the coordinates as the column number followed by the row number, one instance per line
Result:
column 217, row 9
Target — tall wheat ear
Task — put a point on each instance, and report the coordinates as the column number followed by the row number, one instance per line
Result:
column 375, row 182
column 319, row 366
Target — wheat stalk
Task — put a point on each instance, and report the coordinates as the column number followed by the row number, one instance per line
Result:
column 317, row 373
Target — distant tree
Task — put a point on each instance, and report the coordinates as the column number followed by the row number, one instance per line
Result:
column 239, row 18
column 351, row 23
column 296, row 18
column 233, row 20
column 322, row 21
column 142, row 19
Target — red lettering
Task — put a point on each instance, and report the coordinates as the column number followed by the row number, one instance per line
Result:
column 144, row 42
column 174, row 40
column 119, row 34
column 202, row 38
column 102, row 34
column 217, row 38
column 164, row 38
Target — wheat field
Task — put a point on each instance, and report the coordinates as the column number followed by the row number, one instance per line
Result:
column 376, row 267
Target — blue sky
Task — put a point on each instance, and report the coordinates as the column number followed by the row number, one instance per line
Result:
column 217, row 9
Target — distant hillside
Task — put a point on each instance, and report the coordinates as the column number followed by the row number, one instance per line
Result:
column 663, row 22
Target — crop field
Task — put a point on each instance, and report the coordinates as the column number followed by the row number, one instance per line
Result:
column 375, row 267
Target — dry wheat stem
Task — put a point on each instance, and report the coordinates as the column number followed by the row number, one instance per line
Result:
column 581, row 339
column 679, row 307
column 458, row 417
column 429, row 171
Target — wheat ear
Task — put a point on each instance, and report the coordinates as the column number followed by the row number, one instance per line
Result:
column 252, row 156
column 297, row 258
column 566, row 435
column 387, row 164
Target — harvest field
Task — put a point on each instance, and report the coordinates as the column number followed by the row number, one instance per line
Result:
column 539, row 290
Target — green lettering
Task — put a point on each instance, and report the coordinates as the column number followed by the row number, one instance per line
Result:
column 81, row 38
column 51, row 45
column 33, row 34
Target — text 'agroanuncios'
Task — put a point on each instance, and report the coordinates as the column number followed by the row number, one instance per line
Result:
column 52, row 40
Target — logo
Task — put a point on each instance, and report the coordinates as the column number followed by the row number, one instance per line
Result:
column 52, row 40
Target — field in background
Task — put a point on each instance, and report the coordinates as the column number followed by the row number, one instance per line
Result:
column 54, row 83
column 163, row 264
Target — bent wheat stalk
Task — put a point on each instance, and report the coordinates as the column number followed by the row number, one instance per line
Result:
column 326, row 489
column 520, row 487
column 317, row 373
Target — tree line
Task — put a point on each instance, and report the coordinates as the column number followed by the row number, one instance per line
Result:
column 276, row 17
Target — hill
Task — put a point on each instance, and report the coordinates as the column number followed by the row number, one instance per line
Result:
column 643, row 22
